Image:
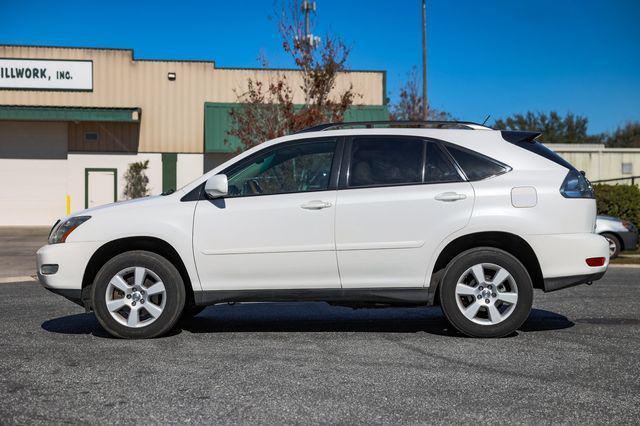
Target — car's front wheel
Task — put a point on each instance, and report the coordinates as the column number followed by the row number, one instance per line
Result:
column 137, row 295
column 486, row 292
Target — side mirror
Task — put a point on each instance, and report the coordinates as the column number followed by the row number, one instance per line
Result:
column 217, row 186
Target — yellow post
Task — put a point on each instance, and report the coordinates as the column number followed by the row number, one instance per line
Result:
column 68, row 205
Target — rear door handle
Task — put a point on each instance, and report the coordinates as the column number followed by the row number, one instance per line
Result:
column 316, row 205
column 450, row 196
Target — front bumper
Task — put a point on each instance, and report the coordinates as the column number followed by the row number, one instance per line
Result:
column 71, row 259
column 72, row 294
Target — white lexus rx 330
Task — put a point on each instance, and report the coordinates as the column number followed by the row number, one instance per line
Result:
column 454, row 214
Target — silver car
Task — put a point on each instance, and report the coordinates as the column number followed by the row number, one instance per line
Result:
column 621, row 234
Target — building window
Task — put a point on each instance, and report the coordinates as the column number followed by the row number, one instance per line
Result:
column 91, row 136
column 627, row 168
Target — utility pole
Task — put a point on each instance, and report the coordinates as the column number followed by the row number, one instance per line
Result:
column 425, row 100
column 307, row 7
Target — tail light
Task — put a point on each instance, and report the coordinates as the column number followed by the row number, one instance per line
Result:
column 575, row 185
column 595, row 261
column 630, row 226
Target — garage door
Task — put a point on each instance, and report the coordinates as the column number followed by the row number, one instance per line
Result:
column 33, row 172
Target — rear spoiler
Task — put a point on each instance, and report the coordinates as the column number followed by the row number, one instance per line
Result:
column 516, row 136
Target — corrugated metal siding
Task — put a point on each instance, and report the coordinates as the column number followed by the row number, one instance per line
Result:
column 367, row 113
column 172, row 119
column 217, row 123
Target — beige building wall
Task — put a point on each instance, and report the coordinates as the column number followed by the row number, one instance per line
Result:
column 600, row 162
column 172, row 111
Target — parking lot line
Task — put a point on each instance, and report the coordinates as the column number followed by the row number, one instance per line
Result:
column 11, row 280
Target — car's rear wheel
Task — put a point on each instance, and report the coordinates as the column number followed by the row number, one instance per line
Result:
column 615, row 246
column 137, row 295
column 486, row 292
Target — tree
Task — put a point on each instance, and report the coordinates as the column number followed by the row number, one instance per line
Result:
column 268, row 110
column 136, row 180
column 626, row 136
column 409, row 106
column 554, row 128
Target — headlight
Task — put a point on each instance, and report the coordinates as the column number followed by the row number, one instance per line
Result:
column 63, row 229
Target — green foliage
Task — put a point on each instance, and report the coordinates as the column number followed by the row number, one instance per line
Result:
column 568, row 129
column 627, row 136
column 622, row 201
column 136, row 180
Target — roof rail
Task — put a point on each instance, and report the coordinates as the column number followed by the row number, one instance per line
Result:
column 467, row 125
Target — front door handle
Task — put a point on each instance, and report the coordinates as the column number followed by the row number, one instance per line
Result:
column 450, row 196
column 316, row 205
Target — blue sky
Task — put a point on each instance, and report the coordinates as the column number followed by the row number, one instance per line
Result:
column 485, row 57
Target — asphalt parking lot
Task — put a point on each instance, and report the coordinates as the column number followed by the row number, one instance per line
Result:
column 576, row 360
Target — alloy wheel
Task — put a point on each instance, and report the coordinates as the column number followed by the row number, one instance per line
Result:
column 135, row 297
column 612, row 246
column 486, row 294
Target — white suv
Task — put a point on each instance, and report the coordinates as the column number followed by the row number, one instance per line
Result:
column 452, row 213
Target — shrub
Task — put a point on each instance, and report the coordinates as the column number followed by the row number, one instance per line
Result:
column 622, row 201
column 136, row 180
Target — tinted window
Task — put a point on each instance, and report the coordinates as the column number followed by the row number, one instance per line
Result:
column 385, row 161
column 296, row 168
column 438, row 167
column 476, row 166
column 537, row 148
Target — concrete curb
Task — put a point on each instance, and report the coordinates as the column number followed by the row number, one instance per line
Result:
column 623, row 266
column 11, row 280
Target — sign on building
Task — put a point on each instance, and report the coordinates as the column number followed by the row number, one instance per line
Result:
column 44, row 74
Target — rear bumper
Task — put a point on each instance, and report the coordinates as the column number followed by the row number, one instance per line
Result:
column 562, row 257
column 558, row 283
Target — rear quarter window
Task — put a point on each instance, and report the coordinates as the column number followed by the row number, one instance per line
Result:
column 475, row 165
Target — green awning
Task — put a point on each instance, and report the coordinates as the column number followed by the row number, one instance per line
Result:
column 17, row 112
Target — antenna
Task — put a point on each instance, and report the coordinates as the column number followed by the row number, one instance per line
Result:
column 307, row 7
column 486, row 119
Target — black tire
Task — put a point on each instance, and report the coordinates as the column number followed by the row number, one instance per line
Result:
column 165, row 271
column 613, row 241
column 449, row 300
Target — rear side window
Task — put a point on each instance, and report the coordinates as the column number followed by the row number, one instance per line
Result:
column 385, row 161
column 476, row 166
column 537, row 148
column 438, row 167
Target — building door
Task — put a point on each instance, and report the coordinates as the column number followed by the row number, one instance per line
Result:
column 100, row 187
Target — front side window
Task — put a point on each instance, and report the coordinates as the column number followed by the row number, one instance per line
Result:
column 385, row 161
column 303, row 167
column 476, row 166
